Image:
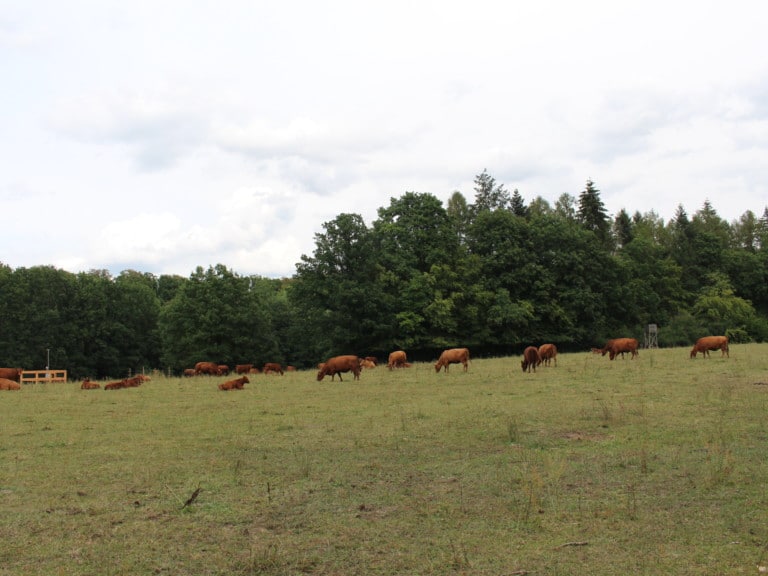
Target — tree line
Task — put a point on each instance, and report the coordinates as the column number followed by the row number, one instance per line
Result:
column 493, row 274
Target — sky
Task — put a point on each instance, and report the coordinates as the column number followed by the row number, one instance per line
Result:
column 164, row 135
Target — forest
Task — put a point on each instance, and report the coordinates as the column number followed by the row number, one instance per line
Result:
column 493, row 274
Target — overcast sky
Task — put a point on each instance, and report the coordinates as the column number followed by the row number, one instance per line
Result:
column 164, row 135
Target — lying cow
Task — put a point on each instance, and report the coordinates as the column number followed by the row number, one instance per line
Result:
column 7, row 384
column 88, row 385
column 339, row 364
column 707, row 343
column 452, row 356
column 135, row 381
column 547, row 353
column 236, row 384
column 530, row 359
column 115, row 385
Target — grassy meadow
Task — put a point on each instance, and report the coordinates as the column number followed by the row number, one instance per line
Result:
column 657, row 465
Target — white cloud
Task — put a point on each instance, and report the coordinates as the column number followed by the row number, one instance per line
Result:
column 167, row 136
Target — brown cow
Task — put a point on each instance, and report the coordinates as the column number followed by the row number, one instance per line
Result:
column 7, row 384
column 189, row 372
column 339, row 364
column 11, row 374
column 243, row 368
column 619, row 346
column 530, row 359
column 115, row 385
column 210, row 368
column 254, row 371
column 707, row 343
column 135, row 381
column 223, row 369
column 290, row 368
column 372, row 359
column 270, row 367
column 366, row 363
column 452, row 356
column 236, row 384
column 88, row 385
column 547, row 353
column 396, row 359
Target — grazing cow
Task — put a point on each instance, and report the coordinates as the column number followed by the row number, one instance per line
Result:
column 547, row 353
column 396, row 359
column 189, row 372
column 530, row 359
column 367, row 363
column 452, row 356
column 707, row 343
column 236, row 384
column 210, row 368
column 223, row 369
column 7, row 384
column 243, row 368
column 339, row 364
column 270, row 367
column 11, row 374
column 619, row 346
column 88, row 385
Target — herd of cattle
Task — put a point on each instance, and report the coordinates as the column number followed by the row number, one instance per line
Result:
column 10, row 378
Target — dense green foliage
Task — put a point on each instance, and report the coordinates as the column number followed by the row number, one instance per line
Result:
column 492, row 274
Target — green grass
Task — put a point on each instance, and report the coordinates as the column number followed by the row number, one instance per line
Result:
column 653, row 466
